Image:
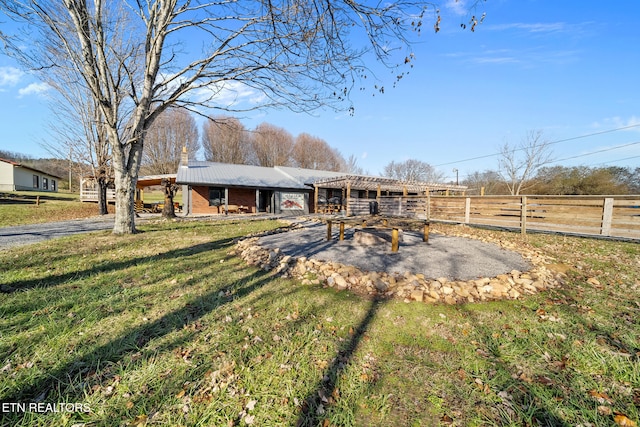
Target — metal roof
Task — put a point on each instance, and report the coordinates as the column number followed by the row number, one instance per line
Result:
column 225, row 174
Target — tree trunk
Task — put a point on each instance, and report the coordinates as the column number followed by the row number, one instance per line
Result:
column 168, row 210
column 125, row 204
column 102, row 196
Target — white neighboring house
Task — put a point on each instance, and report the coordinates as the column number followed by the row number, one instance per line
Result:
column 17, row 177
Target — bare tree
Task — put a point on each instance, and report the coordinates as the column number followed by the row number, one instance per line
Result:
column 412, row 170
column 311, row 152
column 352, row 167
column 172, row 130
column 517, row 164
column 130, row 55
column 225, row 140
column 78, row 133
column 488, row 180
column 272, row 145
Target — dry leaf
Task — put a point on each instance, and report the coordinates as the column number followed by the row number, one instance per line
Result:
column 600, row 397
column 180, row 394
column 139, row 421
column 129, row 404
column 604, row 410
column 622, row 420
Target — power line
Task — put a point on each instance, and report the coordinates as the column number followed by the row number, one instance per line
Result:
column 616, row 161
column 598, row 151
column 549, row 143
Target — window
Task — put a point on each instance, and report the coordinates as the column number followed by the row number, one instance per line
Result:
column 36, row 181
column 216, row 196
column 53, row 185
column 45, row 183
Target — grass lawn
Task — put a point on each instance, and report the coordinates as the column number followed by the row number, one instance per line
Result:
column 165, row 328
column 19, row 208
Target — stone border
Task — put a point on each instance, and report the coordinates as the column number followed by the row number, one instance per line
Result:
column 407, row 286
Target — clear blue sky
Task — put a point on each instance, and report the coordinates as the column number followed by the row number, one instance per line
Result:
column 566, row 68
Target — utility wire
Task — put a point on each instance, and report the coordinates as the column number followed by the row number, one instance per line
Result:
column 549, row 143
column 599, row 151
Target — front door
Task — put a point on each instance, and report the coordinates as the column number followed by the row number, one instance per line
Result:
column 265, row 201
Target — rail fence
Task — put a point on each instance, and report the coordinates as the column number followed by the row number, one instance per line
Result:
column 610, row 216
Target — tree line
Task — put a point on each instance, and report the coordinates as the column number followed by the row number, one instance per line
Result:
column 225, row 139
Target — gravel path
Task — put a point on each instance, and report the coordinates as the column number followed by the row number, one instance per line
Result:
column 455, row 258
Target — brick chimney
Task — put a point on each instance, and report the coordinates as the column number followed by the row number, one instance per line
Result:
column 184, row 157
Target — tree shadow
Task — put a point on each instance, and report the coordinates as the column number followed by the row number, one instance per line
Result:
column 110, row 266
column 312, row 411
column 135, row 339
column 519, row 397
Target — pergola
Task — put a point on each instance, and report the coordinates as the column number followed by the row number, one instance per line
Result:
column 382, row 185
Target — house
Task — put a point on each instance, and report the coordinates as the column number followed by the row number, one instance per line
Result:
column 17, row 177
column 210, row 188
column 219, row 188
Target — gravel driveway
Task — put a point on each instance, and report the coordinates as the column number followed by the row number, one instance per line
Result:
column 26, row 234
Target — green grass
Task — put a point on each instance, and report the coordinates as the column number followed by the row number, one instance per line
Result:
column 166, row 328
column 19, row 208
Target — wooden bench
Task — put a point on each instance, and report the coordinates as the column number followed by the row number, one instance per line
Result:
column 232, row 209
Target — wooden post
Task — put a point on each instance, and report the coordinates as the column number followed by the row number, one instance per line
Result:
column 607, row 216
column 523, row 216
column 348, row 208
column 467, row 210
column 315, row 198
column 37, row 200
column 394, row 240
column 425, row 236
column 328, row 229
column 482, row 191
column 341, row 230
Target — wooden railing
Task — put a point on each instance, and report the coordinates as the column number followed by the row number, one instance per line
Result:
column 92, row 195
column 611, row 216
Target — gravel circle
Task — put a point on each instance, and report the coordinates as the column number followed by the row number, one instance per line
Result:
column 455, row 258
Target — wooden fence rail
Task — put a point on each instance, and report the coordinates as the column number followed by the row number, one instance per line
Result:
column 611, row 216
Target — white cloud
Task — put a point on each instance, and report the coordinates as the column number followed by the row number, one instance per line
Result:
column 537, row 27
column 631, row 123
column 458, row 7
column 10, row 76
column 33, row 89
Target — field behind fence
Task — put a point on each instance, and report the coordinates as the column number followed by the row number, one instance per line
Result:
column 610, row 216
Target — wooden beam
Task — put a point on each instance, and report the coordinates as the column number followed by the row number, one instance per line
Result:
column 328, row 230
column 341, row 230
column 523, row 216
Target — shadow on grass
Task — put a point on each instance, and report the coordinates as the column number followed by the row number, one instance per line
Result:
column 134, row 340
column 59, row 279
column 312, row 413
column 523, row 400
